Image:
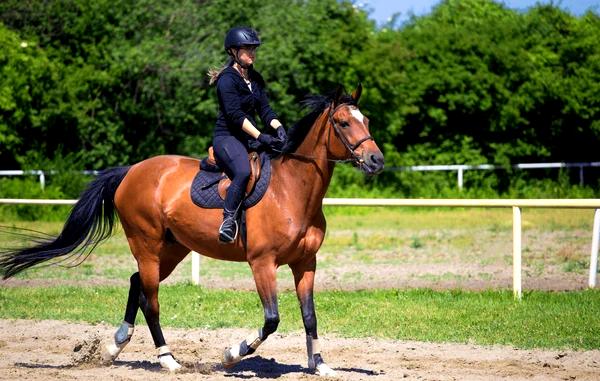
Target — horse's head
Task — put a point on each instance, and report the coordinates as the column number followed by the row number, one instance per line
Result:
column 352, row 141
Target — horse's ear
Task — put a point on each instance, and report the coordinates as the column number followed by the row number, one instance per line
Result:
column 339, row 93
column 356, row 93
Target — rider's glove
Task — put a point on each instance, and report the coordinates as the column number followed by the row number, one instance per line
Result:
column 281, row 134
column 270, row 142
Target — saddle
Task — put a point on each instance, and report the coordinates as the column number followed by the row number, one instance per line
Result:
column 210, row 164
column 210, row 185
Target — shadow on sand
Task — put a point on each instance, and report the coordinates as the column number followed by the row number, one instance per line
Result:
column 256, row 366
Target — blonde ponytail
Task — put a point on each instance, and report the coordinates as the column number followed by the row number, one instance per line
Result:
column 214, row 73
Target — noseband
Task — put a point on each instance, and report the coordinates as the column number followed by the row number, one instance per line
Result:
column 349, row 146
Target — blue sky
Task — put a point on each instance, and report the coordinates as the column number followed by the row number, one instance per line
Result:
column 383, row 9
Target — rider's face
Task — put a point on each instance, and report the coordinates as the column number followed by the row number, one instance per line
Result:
column 247, row 54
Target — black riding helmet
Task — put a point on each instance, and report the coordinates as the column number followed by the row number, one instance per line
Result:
column 240, row 36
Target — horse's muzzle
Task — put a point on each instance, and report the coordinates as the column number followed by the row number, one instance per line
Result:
column 372, row 163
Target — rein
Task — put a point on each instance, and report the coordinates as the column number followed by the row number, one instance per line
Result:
column 314, row 157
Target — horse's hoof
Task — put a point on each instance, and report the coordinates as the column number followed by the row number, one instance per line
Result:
column 110, row 353
column 324, row 370
column 168, row 362
column 122, row 338
column 231, row 356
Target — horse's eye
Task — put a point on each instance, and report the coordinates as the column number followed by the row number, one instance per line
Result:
column 344, row 124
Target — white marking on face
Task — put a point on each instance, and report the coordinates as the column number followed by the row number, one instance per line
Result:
column 357, row 114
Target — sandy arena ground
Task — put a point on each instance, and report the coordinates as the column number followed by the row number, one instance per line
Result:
column 54, row 350
column 465, row 259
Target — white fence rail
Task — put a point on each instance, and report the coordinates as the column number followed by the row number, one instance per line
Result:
column 39, row 173
column 515, row 204
column 459, row 168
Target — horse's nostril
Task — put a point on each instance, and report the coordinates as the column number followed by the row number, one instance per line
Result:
column 377, row 159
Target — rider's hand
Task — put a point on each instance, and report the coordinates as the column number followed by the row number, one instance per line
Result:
column 265, row 140
column 281, row 134
column 269, row 141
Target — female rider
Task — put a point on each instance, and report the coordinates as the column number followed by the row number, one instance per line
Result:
column 241, row 93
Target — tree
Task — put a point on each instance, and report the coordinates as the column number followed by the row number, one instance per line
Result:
column 26, row 76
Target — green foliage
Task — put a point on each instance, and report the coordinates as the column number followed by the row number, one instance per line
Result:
column 26, row 76
column 473, row 82
column 131, row 79
column 489, row 317
column 63, row 180
column 29, row 187
column 551, row 183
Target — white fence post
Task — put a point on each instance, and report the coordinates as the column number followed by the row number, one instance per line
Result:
column 517, row 252
column 195, row 268
column 42, row 179
column 460, row 178
column 594, row 255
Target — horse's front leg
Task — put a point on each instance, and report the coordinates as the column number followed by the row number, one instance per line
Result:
column 304, row 277
column 265, row 277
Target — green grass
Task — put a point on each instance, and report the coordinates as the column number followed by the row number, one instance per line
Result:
column 444, row 218
column 540, row 320
column 358, row 238
column 555, row 241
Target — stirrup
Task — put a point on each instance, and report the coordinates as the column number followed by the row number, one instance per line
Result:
column 225, row 236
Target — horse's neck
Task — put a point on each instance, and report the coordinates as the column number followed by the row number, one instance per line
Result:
column 306, row 175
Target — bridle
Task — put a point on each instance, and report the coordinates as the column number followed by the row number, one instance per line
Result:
column 349, row 146
column 356, row 159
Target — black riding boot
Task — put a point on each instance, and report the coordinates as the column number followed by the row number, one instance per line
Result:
column 229, row 228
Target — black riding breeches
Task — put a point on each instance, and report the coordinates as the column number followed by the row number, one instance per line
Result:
column 232, row 156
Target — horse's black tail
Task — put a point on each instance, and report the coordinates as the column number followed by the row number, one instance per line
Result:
column 91, row 221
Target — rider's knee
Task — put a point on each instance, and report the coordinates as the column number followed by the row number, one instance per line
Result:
column 243, row 175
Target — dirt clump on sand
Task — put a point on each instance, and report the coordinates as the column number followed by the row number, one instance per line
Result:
column 56, row 350
column 87, row 352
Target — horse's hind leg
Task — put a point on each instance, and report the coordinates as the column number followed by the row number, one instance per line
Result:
column 265, row 276
column 150, row 276
column 152, row 271
column 125, row 331
column 155, row 262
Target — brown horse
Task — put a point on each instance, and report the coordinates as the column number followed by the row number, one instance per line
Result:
column 162, row 225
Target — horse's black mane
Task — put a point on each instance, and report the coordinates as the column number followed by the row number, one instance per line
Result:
column 316, row 104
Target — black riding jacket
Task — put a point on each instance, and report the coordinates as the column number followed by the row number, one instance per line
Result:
column 237, row 101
